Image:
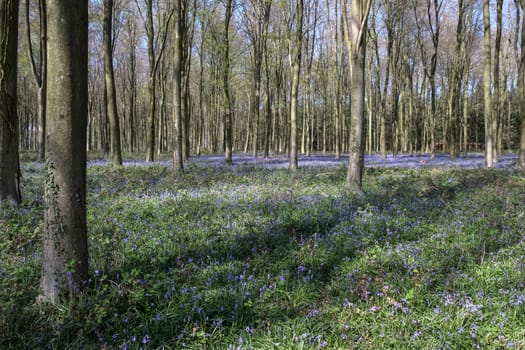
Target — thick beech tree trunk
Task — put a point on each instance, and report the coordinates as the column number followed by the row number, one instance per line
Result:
column 65, row 252
column 9, row 162
column 355, row 38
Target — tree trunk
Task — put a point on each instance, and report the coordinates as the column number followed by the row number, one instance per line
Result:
column 487, row 95
column 355, row 38
column 39, row 73
column 201, row 118
column 267, row 103
column 296, row 71
column 9, row 161
column 465, row 116
column 65, row 251
column 521, row 91
column 150, row 130
column 457, row 77
column 225, row 86
column 109, row 75
column 496, row 117
column 178, row 164
column 133, row 88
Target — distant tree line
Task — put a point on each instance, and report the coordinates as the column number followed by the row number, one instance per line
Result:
column 424, row 76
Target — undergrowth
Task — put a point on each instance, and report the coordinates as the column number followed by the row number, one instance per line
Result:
column 255, row 258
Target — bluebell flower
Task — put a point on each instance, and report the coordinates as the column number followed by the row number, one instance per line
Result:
column 374, row 308
column 415, row 335
column 313, row 313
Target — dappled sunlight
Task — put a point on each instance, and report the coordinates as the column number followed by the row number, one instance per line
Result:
column 249, row 257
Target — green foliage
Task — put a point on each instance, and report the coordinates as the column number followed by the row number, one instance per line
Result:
column 252, row 258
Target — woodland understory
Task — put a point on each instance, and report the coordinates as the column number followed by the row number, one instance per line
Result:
column 250, row 257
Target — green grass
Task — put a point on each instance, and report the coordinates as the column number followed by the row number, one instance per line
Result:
column 254, row 258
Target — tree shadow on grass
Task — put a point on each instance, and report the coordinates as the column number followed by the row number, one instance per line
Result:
column 287, row 257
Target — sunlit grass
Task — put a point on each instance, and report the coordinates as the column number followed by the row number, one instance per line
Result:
column 252, row 257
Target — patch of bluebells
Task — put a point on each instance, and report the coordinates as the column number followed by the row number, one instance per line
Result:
column 240, row 161
column 344, row 241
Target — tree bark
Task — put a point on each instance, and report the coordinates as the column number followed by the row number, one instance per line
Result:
column 109, row 76
column 9, row 161
column 496, row 76
column 268, row 96
column 457, row 78
column 150, row 129
column 132, row 79
column 178, row 164
column 296, row 71
column 226, row 85
column 39, row 73
column 487, row 94
column 65, row 251
column 521, row 91
column 153, row 60
column 355, row 38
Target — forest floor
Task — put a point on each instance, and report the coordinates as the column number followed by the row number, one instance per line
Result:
column 432, row 256
column 470, row 160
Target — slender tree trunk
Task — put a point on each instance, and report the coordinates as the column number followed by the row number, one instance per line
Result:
column 277, row 125
column 201, row 99
column 296, row 71
column 188, row 34
column 162, row 129
column 521, row 91
column 9, row 161
column 225, row 86
column 338, row 87
column 153, row 60
column 268, row 104
column 465, row 116
column 132, row 87
column 383, row 121
column 39, row 72
column 496, row 117
column 178, row 164
column 370, row 114
column 248, row 125
column 487, row 94
column 150, row 131
column 457, row 78
column 115, row 145
column 65, row 251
